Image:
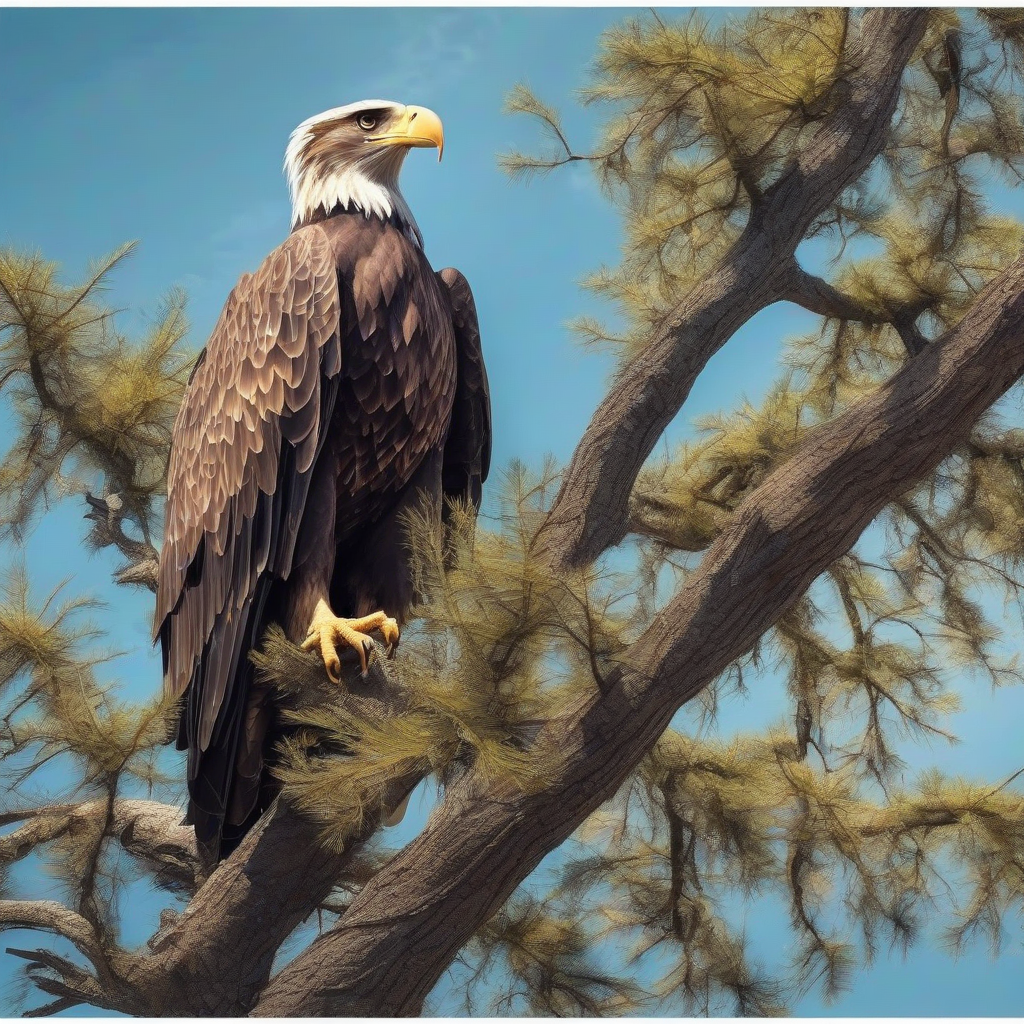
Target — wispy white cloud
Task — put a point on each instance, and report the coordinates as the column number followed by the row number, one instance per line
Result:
column 235, row 245
column 434, row 54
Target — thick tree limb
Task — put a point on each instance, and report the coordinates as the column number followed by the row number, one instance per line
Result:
column 408, row 923
column 63, row 1003
column 401, row 932
column 216, row 958
column 152, row 833
column 51, row 916
column 149, row 830
column 590, row 512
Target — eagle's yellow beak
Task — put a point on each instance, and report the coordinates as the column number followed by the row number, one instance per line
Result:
column 418, row 126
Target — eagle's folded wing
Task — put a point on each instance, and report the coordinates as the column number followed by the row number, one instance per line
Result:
column 244, row 444
column 467, row 450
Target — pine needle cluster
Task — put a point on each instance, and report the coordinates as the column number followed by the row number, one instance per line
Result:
column 703, row 122
column 548, row 965
column 90, row 405
column 497, row 649
column 65, row 732
column 817, row 810
column 91, row 411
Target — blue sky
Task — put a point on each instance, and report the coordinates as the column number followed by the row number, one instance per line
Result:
column 169, row 126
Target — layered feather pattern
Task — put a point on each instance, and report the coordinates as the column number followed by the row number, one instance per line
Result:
column 324, row 396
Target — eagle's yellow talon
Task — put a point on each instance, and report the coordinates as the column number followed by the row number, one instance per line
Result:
column 390, row 632
column 326, row 630
column 332, row 662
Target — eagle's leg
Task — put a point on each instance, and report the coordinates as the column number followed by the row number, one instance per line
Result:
column 327, row 632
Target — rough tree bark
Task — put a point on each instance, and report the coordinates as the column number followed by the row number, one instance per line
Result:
column 148, row 830
column 399, row 935
column 590, row 512
column 412, row 918
column 215, row 958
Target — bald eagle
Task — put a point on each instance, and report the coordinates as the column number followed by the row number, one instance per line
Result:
column 343, row 381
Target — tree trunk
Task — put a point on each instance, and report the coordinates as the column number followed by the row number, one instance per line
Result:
column 590, row 511
column 414, row 916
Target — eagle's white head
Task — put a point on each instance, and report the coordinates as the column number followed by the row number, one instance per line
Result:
column 350, row 157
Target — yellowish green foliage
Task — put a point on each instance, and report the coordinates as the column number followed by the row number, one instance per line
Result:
column 60, row 707
column 498, row 648
column 345, row 750
column 57, row 713
column 751, row 815
column 549, row 964
column 701, row 122
column 92, row 411
column 90, row 404
column 816, row 810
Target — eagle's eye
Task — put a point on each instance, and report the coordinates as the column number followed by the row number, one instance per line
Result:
column 367, row 122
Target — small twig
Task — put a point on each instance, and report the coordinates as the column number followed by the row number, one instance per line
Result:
column 107, row 515
column 48, row 1009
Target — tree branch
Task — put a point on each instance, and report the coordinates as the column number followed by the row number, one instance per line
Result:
column 63, row 1003
column 410, row 921
column 148, row 830
column 107, row 516
column 153, row 833
column 818, row 296
column 590, row 512
column 57, row 976
column 51, row 916
column 216, row 958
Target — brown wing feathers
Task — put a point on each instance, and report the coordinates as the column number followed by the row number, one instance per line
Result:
column 467, row 450
column 245, row 442
column 398, row 384
column 256, row 414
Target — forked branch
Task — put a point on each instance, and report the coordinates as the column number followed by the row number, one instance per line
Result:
column 591, row 510
column 405, row 927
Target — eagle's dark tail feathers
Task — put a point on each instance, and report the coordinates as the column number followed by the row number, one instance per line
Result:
column 228, row 786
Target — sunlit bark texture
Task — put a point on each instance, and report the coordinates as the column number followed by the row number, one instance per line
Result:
column 850, row 531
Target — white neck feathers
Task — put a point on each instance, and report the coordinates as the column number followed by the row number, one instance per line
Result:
column 322, row 179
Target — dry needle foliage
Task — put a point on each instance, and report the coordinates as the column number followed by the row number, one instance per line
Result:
column 641, row 910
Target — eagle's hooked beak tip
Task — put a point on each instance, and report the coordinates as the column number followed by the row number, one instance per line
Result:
column 424, row 128
column 419, row 127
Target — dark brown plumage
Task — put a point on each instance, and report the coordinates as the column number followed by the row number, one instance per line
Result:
column 343, row 378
